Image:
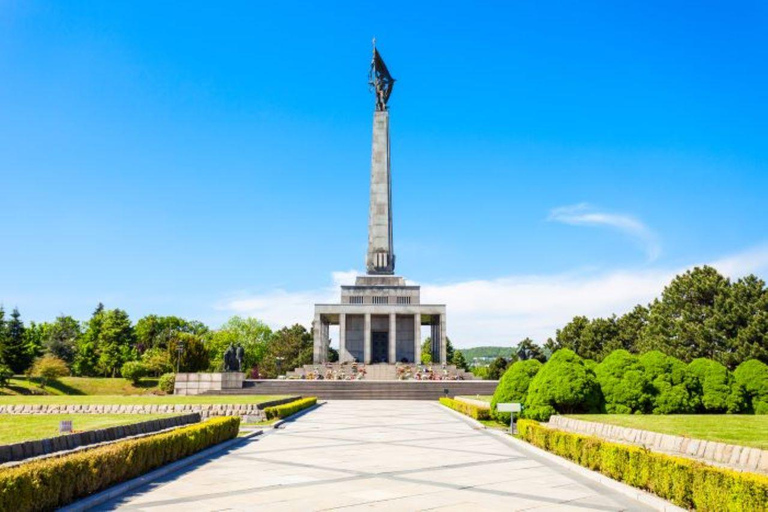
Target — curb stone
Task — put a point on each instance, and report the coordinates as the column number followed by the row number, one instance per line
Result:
column 634, row 493
column 117, row 490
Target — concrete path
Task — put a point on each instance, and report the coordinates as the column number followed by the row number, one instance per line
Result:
column 382, row 455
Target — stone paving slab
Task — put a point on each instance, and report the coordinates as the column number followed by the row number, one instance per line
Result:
column 375, row 455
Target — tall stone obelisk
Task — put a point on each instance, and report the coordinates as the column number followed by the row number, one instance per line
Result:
column 380, row 258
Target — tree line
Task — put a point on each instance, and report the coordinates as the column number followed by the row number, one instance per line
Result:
column 104, row 344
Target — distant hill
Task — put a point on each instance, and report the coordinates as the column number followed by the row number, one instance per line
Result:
column 490, row 352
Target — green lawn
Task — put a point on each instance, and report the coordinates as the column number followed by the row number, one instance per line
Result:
column 80, row 386
column 137, row 400
column 15, row 428
column 742, row 429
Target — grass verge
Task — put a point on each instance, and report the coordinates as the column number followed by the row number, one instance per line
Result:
column 15, row 428
column 742, row 429
column 137, row 400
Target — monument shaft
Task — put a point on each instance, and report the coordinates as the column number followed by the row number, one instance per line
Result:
column 380, row 258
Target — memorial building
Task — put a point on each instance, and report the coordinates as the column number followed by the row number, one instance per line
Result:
column 380, row 317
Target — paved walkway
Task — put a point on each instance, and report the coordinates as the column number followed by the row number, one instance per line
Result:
column 381, row 455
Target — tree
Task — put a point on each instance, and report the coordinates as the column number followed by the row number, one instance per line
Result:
column 14, row 349
column 753, row 376
column 157, row 361
column 87, row 353
column 251, row 333
column 458, row 361
column 497, row 368
column 629, row 328
column 115, row 342
column 513, row 386
column 293, row 345
column 623, row 383
column 570, row 335
column 743, row 320
column 720, row 391
column 61, row 338
column 564, row 385
column 685, row 322
column 527, row 349
column 5, row 375
column 49, row 368
column 154, row 331
column 194, row 354
column 675, row 390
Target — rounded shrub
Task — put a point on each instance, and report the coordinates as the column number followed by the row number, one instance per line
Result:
column 513, row 386
column 565, row 385
column 133, row 371
column 675, row 389
column 167, row 382
column 48, row 369
column 753, row 376
column 623, row 382
column 719, row 390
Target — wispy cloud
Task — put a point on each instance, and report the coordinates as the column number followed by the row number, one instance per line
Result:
column 507, row 309
column 585, row 215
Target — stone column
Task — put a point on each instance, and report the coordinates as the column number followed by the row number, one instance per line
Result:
column 342, row 338
column 417, row 338
column 443, row 341
column 317, row 333
column 392, row 338
column 367, row 339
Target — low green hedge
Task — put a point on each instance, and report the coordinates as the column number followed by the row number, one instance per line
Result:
column 682, row 481
column 54, row 482
column 478, row 413
column 285, row 410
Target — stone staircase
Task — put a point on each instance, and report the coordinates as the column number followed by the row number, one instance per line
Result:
column 365, row 389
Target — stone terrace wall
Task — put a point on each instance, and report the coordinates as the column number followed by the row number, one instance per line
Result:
column 735, row 456
column 28, row 449
column 205, row 411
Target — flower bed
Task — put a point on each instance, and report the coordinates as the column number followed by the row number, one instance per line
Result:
column 478, row 413
column 285, row 410
column 684, row 482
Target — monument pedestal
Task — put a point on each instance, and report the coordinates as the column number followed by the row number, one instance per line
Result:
column 198, row 383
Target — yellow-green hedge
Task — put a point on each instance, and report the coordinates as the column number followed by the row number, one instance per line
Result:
column 50, row 483
column 470, row 410
column 682, row 481
column 285, row 410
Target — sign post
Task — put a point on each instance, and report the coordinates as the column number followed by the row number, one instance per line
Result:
column 65, row 427
column 511, row 408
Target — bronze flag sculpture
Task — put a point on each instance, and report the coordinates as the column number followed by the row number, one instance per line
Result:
column 380, row 79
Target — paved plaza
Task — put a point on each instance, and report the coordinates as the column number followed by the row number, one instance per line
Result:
column 382, row 455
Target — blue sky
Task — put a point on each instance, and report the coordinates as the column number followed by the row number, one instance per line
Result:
column 549, row 158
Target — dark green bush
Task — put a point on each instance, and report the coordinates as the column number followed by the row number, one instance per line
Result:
column 684, row 482
column 720, row 391
column 565, row 385
column 478, row 413
column 513, row 386
column 675, row 389
column 753, row 376
column 285, row 410
column 167, row 382
column 625, row 387
column 54, row 482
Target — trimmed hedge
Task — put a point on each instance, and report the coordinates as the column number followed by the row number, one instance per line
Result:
column 285, row 410
column 684, row 482
column 54, row 482
column 466, row 409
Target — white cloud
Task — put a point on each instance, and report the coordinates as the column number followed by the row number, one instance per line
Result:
column 505, row 310
column 584, row 215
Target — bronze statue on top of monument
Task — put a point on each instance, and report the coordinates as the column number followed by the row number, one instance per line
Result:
column 380, row 80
